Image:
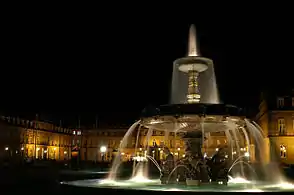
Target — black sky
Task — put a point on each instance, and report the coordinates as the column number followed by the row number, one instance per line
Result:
column 68, row 66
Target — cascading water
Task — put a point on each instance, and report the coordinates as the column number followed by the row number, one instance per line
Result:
column 123, row 144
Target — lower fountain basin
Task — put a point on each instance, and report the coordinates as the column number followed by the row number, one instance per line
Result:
column 154, row 185
column 191, row 182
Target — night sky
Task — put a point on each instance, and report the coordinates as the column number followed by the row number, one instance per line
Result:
column 68, row 66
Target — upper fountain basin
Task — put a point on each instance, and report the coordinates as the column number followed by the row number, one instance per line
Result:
column 196, row 63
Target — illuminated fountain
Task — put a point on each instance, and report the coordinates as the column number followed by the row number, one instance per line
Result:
column 195, row 114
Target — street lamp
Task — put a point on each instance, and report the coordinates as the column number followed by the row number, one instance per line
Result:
column 103, row 150
column 65, row 155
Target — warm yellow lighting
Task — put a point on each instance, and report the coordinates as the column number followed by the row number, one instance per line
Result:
column 140, row 149
column 216, row 149
column 122, row 153
column 103, row 149
column 176, row 153
column 193, row 91
column 179, row 149
column 139, row 158
column 183, row 155
column 153, row 151
column 54, row 149
column 22, row 148
column 45, row 151
column 159, row 149
column 246, row 154
column 65, row 152
column 38, row 149
column 6, row 148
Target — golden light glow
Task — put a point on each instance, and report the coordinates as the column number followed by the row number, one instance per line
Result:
column 193, row 95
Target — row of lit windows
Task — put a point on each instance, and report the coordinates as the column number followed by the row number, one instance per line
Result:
column 34, row 124
column 142, row 133
column 281, row 102
column 74, row 132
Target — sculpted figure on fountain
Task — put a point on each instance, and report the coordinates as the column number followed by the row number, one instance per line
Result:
column 167, row 165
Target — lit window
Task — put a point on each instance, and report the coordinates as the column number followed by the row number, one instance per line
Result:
column 281, row 126
column 79, row 132
column 74, row 132
column 283, row 151
column 280, row 102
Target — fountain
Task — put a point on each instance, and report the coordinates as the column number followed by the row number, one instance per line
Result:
column 195, row 114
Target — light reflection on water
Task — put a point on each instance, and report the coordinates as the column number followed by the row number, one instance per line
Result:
column 235, row 184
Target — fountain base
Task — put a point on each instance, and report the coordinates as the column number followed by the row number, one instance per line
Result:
column 191, row 182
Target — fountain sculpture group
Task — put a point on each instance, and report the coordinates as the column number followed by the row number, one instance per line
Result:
column 194, row 168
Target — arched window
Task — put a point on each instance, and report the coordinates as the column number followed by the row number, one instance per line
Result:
column 283, row 151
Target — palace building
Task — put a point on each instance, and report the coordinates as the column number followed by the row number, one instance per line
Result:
column 102, row 144
column 45, row 141
column 34, row 139
column 276, row 118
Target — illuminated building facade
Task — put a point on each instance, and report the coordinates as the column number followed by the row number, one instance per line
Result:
column 45, row 141
column 94, row 141
column 276, row 118
column 34, row 139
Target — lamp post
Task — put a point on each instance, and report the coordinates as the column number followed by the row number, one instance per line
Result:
column 54, row 149
column 45, row 154
column 37, row 152
column 22, row 152
column 103, row 150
